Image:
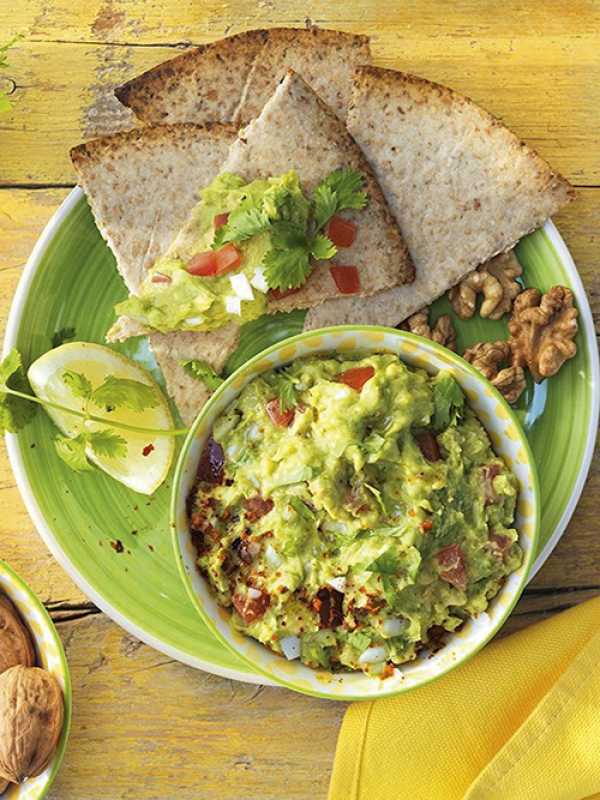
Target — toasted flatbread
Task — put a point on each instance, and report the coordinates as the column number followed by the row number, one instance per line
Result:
column 325, row 59
column 141, row 185
column 201, row 85
column 462, row 187
column 296, row 130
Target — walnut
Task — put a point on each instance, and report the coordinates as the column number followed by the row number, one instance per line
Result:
column 3, row 786
column 542, row 329
column 16, row 645
column 442, row 332
column 489, row 358
column 496, row 281
column 32, row 713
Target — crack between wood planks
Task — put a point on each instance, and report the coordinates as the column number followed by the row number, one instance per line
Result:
column 174, row 45
column 29, row 186
column 541, row 591
column 62, row 611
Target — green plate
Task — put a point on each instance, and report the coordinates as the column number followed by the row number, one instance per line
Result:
column 71, row 282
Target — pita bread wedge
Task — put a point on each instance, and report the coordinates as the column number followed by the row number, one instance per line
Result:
column 296, row 130
column 201, row 85
column 141, row 185
column 462, row 187
column 325, row 59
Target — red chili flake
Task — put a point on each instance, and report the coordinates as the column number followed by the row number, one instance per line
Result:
column 117, row 546
column 426, row 525
column 147, row 450
column 328, row 604
column 256, row 507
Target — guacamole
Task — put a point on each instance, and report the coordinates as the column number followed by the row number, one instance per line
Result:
column 351, row 512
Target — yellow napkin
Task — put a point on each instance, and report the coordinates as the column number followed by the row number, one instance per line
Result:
column 520, row 721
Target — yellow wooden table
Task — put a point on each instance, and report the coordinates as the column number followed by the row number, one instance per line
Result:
column 145, row 726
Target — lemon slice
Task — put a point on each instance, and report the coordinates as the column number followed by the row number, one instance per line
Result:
column 149, row 455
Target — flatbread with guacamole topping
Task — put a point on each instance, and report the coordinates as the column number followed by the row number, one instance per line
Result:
column 296, row 130
column 462, row 187
column 206, row 84
column 141, row 185
column 325, row 59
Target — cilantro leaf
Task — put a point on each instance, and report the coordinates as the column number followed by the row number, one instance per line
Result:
column 286, row 393
column 78, row 384
column 322, row 248
column 377, row 495
column 302, row 509
column 62, row 335
column 341, row 189
column 241, row 225
column 15, row 412
column 72, row 452
column 124, row 393
column 448, row 401
column 107, row 444
column 202, row 371
column 287, row 264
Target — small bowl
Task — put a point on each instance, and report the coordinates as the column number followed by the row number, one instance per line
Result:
column 50, row 656
column 508, row 441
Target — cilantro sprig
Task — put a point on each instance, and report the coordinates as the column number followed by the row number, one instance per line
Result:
column 17, row 408
column 295, row 225
column 202, row 371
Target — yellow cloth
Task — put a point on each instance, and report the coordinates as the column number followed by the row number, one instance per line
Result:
column 520, row 721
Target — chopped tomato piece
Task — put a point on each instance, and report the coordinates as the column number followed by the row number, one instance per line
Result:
column 454, row 571
column 256, row 507
column 356, row 377
column 346, row 279
column 203, row 264
column 426, row 525
column 220, row 220
column 503, row 543
column 147, row 449
column 490, row 471
column 251, row 608
column 341, row 232
column 278, row 417
column 158, row 277
column 228, row 258
column 279, row 294
column 428, row 445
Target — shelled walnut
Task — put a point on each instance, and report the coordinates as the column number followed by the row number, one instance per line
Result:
column 442, row 332
column 542, row 330
column 493, row 360
column 496, row 281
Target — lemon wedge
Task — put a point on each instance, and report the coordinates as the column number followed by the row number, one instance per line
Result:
column 149, row 455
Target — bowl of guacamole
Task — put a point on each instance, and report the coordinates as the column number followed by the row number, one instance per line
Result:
column 355, row 512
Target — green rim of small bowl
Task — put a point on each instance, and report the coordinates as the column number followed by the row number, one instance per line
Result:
column 23, row 791
column 247, row 367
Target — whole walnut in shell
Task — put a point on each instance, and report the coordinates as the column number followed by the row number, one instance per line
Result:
column 31, row 720
column 16, row 645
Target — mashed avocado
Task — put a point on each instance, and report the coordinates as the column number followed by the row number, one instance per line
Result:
column 351, row 512
column 171, row 298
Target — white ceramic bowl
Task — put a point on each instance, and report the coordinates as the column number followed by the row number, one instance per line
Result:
column 50, row 656
column 508, row 441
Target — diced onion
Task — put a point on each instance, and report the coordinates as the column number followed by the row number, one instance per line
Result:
column 339, row 583
column 233, row 305
column 253, row 593
column 259, row 281
column 241, row 286
column 341, row 393
column 232, row 450
column 290, row 647
column 372, row 655
column 194, row 320
column 393, row 626
column 253, row 432
column 272, row 556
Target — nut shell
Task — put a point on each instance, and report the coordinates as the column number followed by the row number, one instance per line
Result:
column 16, row 644
column 31, row 720
column 3, row 785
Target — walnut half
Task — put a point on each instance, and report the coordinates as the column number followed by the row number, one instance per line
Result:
column 442, row 332
column 493, row 359
column 542, row 330
column 496, row 281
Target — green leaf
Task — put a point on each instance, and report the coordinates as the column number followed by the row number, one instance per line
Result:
column 15, row 412
column 341, row 189
column 78, row 384
column 124, row 393
column 448, row 401
column 287, row 264
column 378, row 496
column 62, row 335
column 388, row 563
column 302, row 509
column 72, row 452
column 202, row 371
column 322, row 248
column 107, row 444
column 241, row 225
column 286, row 392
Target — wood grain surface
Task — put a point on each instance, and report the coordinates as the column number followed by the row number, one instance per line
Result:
column 145, row 726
